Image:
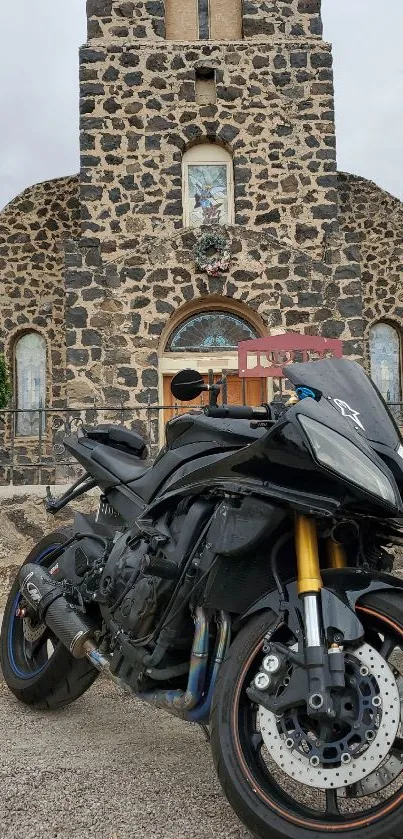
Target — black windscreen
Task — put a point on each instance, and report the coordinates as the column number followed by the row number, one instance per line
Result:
column 348, row 389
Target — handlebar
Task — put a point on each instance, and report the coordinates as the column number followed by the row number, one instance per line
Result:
column 238, row 412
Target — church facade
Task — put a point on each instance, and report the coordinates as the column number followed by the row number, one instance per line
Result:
column 208, row 210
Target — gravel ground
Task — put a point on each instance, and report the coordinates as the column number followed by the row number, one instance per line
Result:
column 107, row 767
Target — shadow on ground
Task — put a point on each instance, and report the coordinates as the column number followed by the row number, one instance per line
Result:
column 107, row 767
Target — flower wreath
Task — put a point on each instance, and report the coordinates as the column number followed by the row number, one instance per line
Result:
column 216, row 262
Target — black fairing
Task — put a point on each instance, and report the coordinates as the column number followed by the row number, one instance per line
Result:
column 280, row 465
column 224, row 454
column 242, row 535
column 346, row 381
column 195, row 427
column 349, row 585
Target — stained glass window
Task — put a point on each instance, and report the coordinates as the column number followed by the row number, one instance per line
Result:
column 30, row 370
column 208, row 196
column 210, row 332
column 384, row 346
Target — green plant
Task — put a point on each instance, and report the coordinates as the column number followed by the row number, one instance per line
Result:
column 5, row 384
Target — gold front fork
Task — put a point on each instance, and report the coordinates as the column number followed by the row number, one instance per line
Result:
column 336, row 555
column 306, row 544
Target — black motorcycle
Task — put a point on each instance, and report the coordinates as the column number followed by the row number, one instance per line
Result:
column 242, row 582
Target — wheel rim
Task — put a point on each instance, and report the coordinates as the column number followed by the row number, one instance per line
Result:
column 265, row 780
column 29, row 659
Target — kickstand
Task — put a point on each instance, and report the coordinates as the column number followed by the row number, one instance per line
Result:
column 205, row 730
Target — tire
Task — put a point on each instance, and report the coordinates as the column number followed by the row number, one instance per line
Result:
column 52, row 679
column 259, row 807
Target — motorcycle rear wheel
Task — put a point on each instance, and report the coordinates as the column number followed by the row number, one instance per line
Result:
column 41, row 673
column 255, row 792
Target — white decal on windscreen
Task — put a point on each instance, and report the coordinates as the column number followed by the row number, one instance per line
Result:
column 349, row 413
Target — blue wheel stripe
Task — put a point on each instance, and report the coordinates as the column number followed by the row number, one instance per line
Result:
column 21, row 673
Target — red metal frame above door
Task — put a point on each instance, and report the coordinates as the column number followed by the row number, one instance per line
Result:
column 266, row 357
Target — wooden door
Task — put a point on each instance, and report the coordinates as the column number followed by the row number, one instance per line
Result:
column 239, row 392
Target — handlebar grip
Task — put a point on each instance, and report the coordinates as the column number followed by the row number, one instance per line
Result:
column 237, row 412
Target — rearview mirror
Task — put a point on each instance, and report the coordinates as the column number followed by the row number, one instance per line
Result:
column 187, row 385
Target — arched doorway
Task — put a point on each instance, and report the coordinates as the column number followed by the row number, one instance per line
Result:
column 206, row 338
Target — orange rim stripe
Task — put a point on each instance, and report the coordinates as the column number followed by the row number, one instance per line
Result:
column 303, row 823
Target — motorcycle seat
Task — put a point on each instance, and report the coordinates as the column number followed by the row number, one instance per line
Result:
column 120, row 438
column 124, row 466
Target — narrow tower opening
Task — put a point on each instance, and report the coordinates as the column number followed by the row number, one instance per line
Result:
column 206, row 92
column 203, row 9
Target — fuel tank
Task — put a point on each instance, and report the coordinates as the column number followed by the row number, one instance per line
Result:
column 195, row 427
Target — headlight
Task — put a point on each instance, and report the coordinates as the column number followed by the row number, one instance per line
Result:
column 343, row 457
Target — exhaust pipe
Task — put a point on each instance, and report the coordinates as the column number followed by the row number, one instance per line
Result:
column 47, row 598
column 179, row 702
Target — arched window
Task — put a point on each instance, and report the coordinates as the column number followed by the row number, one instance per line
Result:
column 30, row 382
column 210, row 332
column 208, row 190
column 384, row 344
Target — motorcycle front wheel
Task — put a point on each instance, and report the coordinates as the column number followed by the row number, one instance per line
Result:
column 277, row 803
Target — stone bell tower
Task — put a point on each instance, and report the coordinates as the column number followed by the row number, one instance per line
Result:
column 247, row 88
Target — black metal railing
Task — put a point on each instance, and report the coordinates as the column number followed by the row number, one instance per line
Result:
column 32, row 441
column 41, row 457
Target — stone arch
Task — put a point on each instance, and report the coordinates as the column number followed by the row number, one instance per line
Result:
column 212, row 303
column 211, row 358
column 207, row 139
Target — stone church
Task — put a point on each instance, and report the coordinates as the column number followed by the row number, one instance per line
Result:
column 208, row 210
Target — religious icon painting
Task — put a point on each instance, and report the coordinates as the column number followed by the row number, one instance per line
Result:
column 208, row 194
column 208, row 191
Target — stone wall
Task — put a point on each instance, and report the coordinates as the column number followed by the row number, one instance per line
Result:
column 117, row 312
column 277, row 19
column 372, row 219
column 145, row 19
column 32, row 228
column 114, row 19
column 24, row 522
column 134, row 266
column 274, row 112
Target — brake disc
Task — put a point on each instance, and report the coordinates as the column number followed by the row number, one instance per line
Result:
column 32, row 629
column 389, row 770
column 361, row 764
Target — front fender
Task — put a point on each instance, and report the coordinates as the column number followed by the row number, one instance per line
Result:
column 342, row 592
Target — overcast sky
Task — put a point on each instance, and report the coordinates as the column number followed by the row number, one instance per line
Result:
column 39, row 41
